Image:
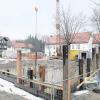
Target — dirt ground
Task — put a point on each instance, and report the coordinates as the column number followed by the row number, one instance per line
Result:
column 89, row 96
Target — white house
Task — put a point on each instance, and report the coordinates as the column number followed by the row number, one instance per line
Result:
column 12, row 51
column 82, row 42
column 53, row 45
column 96, row 42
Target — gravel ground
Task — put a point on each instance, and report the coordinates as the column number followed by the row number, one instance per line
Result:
column 89, row 96
column 57, row 63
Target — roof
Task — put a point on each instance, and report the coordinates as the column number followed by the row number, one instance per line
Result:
column 21, row 45
column 96, row 38
column 54, row 39
column 5, row 38
column 83, row 37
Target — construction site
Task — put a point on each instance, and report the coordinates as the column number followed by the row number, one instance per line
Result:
column 62, row 66
column 46, row 79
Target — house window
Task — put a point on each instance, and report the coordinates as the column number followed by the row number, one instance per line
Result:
column 2, row 41
column 54, row 47
column 72, row 46
column 5, row 46
column 2, row 46
column 78, row 46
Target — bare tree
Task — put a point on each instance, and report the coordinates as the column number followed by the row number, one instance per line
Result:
column 70, row 26
column 94, row 2
column 96, row 19
column 96, row 15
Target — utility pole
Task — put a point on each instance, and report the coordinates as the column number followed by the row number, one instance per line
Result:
column 66, row 82
column 36, row 10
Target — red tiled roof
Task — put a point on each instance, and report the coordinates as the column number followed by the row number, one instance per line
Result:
column 30, row 45
column 96, row 38
column 21, row 45
column 79, row 38
column 55, row 40
column 82, row 37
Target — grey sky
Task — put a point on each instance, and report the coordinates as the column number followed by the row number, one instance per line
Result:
column 17, row 17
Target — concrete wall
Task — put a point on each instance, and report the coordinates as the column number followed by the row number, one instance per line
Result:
column 54, row 75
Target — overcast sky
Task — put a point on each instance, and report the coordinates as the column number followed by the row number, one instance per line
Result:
column 17, row 17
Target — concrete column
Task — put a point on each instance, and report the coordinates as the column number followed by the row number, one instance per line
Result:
column 88, row 66
column 19, row 67
column 81, row 72
column 43, row 73
column 42, row 76
column 94, row 59
column 97, row 61
column 98, row 65
column 99, row 58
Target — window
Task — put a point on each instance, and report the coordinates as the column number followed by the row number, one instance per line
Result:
column 5, row 46
column 72, row 46
column 78, row 46
column 4, row 41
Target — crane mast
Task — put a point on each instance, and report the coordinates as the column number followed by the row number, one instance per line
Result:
column 58, row 26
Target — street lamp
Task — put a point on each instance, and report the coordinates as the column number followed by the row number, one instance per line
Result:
column 36, row 10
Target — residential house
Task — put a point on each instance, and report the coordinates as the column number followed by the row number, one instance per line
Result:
column 3, row 44
column 82, row 42
column 52, row 45
column 11, row 52
column 25, row 48
column 96, row 42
